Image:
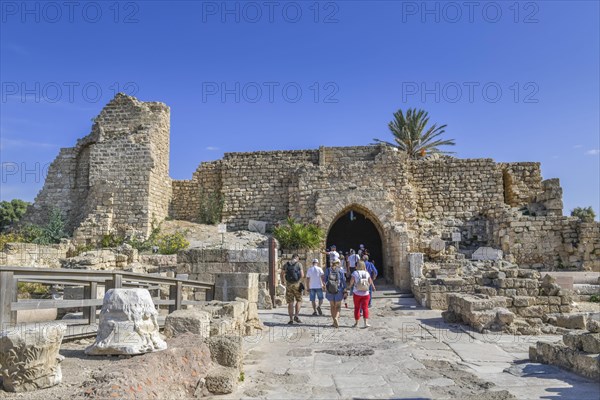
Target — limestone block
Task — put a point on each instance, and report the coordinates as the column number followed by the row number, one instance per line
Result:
column 571, row 321
column 415, row 261
column 228, row 286
column 128, row 324
column 504, row 316
column 523, row 301
column 590, row 342
column 226, row 350
column 264, row 300
column 593, row 326
column 222, row 380
column 487, row 253
column 194, row 321
column 29, row 358
column 252, row 312
column 532, row 312
column 235, row 310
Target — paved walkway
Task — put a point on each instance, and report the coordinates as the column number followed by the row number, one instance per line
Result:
column 408, row 353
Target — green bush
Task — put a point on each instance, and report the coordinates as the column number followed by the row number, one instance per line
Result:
column 172, row 243
column 295, row 235
column 142, row 244
column 211, row 208
column 27, row 289
column 586, row 214
column 11, row 212
column 595, row 298
column 11, row 237
column 111, row 240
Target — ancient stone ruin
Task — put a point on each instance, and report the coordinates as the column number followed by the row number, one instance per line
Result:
column 116, row 180
column 471, row 237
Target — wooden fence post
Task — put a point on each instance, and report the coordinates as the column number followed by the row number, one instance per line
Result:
column 8, row 294
column 176, row 293
column 90, row 292
column 115, row 283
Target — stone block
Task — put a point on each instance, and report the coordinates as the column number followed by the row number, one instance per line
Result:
column 226, row 350
column 531, row 312
column 194, row 321
column 590, row 343
column 487, row 253
column 228, row 286
column 571, row 321
column 235, row 310
column 222, row 380
column 523, row 301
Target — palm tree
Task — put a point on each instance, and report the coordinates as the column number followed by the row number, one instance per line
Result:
column 412, row 135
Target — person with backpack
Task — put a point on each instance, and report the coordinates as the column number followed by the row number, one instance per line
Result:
column 335, row 286
column 361, row 280
column 292, row 274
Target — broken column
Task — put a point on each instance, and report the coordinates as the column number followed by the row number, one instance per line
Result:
column 29, row 358
column 128, row 324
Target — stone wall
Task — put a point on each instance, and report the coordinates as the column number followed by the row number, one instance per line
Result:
column 114, row 179
column 410, row 201
column 456, row 188
column 204, row 264
column 521, row 182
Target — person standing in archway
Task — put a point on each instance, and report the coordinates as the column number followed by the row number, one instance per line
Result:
column 292, row 274
column 353, row 259
column 335, row 285
column 361, row 282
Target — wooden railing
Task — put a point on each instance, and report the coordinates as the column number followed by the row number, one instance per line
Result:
column 90, row 280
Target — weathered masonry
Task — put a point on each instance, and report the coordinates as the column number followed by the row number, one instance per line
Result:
column 116, row 179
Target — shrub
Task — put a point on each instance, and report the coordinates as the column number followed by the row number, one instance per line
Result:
column 211, row 208
column 55, row 228
column 295, row 235
column 142, row 244
column 32, row 233
column 11, row 212
column 111, row 240
column 80, row 249
column 585, row 214
column 27, row 289
column 172, row 243
column 11, row 237
column 595, row 298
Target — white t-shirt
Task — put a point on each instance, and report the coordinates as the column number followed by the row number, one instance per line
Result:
column 314, row 275
column 357, row 276
column 334, row 255
column 353, row 260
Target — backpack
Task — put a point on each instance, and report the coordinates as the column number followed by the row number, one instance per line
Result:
column 363, row 281
column 333, row 282
column 292, row 273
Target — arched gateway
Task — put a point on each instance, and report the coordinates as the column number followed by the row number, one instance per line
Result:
column 356, row 225
column 354, row 228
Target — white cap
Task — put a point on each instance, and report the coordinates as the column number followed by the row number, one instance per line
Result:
column 316, row 260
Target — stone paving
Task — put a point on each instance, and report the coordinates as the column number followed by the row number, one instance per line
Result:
column 408, row 353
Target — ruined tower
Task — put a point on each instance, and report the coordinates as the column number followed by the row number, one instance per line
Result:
column 116, row 179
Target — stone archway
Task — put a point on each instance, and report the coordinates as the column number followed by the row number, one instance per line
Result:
column 334, row 220
column 352, row 228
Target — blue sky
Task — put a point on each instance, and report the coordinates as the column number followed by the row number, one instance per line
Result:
column 514, row 81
